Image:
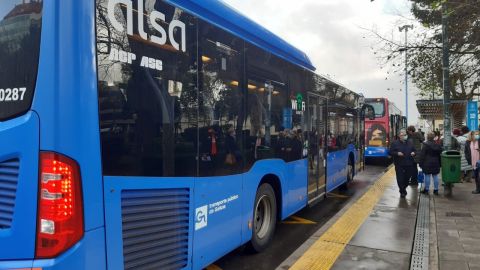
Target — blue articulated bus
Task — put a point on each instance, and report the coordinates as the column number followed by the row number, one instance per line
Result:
column 151, row 134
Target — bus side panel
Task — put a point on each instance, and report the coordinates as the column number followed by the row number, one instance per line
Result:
column 337, row 168
column 146, row 195
column 218, row 219
column 297, row 187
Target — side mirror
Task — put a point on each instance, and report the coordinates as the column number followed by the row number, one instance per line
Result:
column 368, row 111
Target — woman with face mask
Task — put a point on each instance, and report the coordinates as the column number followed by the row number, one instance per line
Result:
column 473, row 143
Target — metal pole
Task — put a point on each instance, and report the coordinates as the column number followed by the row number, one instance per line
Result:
column 406, row 27
column 447, row 132
column 406, row 74
column 433, row 98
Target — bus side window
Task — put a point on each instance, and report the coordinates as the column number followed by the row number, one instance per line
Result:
column 147, row 105
column 221, row 102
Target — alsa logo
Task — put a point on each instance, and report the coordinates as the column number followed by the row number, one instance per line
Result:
column 154, row 17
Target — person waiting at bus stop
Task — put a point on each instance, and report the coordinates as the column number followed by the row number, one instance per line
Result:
column 466, row 158
column 429, row 160
column 403, row 152
column 416, row 138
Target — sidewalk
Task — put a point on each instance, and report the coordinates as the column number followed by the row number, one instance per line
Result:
column 385, row 239
column 382, row 231
column 456, row 242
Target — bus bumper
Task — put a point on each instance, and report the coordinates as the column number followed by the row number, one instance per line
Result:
column 376, row 152
column 89, row 253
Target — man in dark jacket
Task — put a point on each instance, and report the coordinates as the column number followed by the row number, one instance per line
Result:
column 416, row 138
column 403, row 152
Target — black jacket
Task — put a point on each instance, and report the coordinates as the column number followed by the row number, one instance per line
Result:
column 406, row 147
column 468, row 153
column 430, row 157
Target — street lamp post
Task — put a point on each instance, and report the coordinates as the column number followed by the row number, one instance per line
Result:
column 402, row 28
column 447, row 123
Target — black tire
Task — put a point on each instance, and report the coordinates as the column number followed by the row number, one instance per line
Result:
column 264, row 219
column 350, row 170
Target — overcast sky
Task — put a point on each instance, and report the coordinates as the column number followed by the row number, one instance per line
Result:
column 332, row 33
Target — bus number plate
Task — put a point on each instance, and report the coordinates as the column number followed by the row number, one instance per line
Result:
column 12, row 94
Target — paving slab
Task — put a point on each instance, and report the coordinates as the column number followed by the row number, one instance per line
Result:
column 355, row 257
column 458, row 228
column 453, row 265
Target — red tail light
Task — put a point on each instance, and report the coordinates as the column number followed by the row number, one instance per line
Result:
column 60, row 207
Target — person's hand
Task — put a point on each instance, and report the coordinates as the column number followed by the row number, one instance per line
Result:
column 412, row 154
column 400, row 154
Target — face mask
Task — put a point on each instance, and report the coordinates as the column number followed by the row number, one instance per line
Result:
column 405, row 137
column 477, row 137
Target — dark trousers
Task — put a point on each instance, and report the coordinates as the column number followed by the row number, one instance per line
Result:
column 414, row 175
column 403, row 176
column 477, row 176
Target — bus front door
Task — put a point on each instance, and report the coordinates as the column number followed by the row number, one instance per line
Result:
column 316, row 128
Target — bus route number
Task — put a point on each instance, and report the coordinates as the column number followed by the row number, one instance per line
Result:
column 12, row 94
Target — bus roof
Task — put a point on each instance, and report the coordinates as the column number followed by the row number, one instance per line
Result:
column 226, row 17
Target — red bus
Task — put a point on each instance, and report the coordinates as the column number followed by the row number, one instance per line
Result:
column 384, row 129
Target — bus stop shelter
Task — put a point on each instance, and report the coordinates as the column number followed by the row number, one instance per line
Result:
column 432, row 110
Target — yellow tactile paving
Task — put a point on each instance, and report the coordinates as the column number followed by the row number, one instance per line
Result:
column 213, row 267
column 298, row 220
column 325, row 251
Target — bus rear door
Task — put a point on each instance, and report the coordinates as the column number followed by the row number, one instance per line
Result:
column 316, row 125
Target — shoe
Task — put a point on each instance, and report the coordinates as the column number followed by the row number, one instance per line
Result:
column 403, row 196
column 435, row 192
column 475, row 192
column 425, row 191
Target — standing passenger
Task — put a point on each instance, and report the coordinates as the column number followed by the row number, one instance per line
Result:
column 416, row 138
column 297, row 145
column 430, row 162
column 465, row 159
column 403, row 152
column 472, row 143
column 455, row 145
column 233, row 153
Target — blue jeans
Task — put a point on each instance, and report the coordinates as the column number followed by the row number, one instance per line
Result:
column 435, row 181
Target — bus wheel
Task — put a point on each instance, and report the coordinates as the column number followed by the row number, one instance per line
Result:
column 344, row 186
column 264, row 218
column 349, row 170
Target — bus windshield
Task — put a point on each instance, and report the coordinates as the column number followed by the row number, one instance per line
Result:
column 379, row 107
column 20, row 25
